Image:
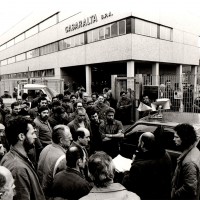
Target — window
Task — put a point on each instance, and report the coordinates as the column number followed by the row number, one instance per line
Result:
column 4, row 62
column 49, row 22
column 11, row 60
column 76, row 40
column 114, row 30
column 32, row 54
column 107, row 31
column 2, row 47
column 101, row 33
column 20, row 38
column 89, row 36
column 145, row 28
column 50, row 48
column 31, row 31
column 20, row 57
column 50, row 72
column 122, row 27
column 82, row 41
column 165, row 33
column 95, row 35
column 10, row 43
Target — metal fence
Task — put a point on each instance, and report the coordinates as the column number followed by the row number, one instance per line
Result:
column 183, row 91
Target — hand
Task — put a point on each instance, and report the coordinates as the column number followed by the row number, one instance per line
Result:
column 133, row 158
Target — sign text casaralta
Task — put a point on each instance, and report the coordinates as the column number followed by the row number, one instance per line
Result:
column 85, row 22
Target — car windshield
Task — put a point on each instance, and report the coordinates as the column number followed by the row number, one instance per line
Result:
column 50, row 92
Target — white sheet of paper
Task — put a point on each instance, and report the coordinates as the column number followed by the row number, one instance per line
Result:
column 121, row 163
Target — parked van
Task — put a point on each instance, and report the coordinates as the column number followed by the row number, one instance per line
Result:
column 32, row 89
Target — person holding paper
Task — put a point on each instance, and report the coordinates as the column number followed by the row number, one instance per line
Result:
column 150, row 173
column 102, row 170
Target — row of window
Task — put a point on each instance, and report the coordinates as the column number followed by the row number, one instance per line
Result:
column 32, row 74
column 131, row 25
column 34, row 30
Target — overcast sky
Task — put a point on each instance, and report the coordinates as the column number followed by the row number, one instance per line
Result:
column 13, row 11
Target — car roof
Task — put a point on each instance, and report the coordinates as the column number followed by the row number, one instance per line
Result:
column 34, row 86
column 172, row 119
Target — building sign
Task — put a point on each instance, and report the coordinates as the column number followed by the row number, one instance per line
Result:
column 86, row 22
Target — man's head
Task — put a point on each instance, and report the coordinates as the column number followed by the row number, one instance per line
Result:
column 85, row 96
column 75, row 158
column 73, row 98
column 145, row 99
column 110, row 113
column 94, row 96
column 43, row 112
column 123, row 94
column 185, row 135
column 21, row 130
column 82, row 136
column 59, row 112
column 147, row 142
column 80, row 114
column 54, row 99
column 16, row 108
column 90, row 102
column 61, row 135
column 42, row 101
column 92, row 113
column 101, row 99
column 24, row 97
column 7, row 185
column 101, row 169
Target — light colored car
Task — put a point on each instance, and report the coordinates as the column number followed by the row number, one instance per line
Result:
column 163, row 128
column 31, row 90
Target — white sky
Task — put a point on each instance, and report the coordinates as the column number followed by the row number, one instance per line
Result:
column 13, row 11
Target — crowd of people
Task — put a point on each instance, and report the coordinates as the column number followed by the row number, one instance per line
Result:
column 64, row 149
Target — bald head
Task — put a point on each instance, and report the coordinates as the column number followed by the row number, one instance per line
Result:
column 2, row 127
column 6, row 184
column 147, row 141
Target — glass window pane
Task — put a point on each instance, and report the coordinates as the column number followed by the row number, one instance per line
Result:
column 82, row 41
column 145, row 28
column 122, row 27
column 10, row 43
column 165, row 33
column 11, row 60
column 20, row 57
column 89, row 36
column 107, row 31
column 2, row 47
column 101, row 33
column 76, row 40
column 72, row 41
column 95, row 35
column 49, row 22
column 114, row 31
column 31, row 31
column 32, row 54
column 4, row 62
column 20, row 38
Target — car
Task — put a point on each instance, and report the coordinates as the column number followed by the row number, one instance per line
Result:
column 31, row 89
column 162, row 128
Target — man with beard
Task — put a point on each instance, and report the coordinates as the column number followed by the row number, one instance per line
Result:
column 111, row 132
column 16, row 108
column 21, row 135
column 42, row 101
column 52, row 158
column 43, row 126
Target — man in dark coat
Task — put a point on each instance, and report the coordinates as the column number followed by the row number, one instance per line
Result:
column 21, row 135
column 186, row 180
column 150, row 173
column 70, row 184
